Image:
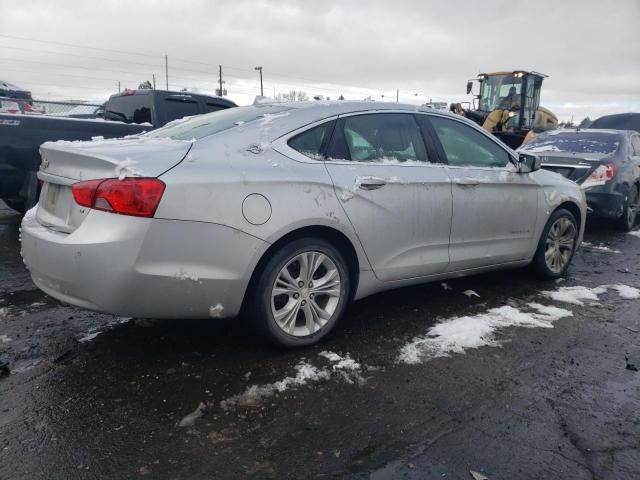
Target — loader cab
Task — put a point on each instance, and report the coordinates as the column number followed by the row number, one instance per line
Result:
column 518, row 92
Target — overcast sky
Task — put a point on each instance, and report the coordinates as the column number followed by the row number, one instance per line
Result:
column 590, row 49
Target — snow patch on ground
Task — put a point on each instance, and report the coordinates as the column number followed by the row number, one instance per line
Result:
column 190, row 419
column 635, row 233
column 578, row 295
column 575, row 295
column 458, row 334
column 345, row 367
column 4, row 339
column 255, row 394
column 599, row 248
column 94, row 332
column 625, row 291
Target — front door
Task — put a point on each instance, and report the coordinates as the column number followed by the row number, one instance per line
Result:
column 494, row 206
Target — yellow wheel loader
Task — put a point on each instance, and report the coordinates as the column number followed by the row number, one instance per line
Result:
column 508, row 105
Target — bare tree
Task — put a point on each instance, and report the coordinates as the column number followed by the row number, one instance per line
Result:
column 292, row 96
column 146, row 85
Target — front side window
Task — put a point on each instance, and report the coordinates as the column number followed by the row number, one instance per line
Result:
column 393, row 137
column 310, row 142
column 465, row 146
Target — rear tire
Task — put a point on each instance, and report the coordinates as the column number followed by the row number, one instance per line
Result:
column 557, row 245
column 628, row 218
column 301, row 293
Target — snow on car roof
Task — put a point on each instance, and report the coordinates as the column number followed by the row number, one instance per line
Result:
column 9, row 86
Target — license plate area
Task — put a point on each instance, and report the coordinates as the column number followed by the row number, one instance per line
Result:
column 50, row 195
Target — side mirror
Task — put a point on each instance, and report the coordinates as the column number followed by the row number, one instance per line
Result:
column 528, row 163
column 469, row 87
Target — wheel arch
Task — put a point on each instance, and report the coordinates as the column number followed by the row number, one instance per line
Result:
column 334, row 236
column 574, row 209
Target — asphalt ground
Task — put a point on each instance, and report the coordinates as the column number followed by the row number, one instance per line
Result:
column 85, row 395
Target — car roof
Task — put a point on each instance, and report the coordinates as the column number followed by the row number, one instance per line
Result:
column 312, row 111
column 624, row 121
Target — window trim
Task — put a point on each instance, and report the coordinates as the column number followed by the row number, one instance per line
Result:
column 510, row 154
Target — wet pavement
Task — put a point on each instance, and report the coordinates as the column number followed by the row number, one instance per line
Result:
column 98, row 397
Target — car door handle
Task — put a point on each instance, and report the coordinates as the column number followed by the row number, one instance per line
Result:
column 466, row 182
column 372, row 183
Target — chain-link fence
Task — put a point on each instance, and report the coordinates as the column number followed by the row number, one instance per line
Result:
column 73, row 109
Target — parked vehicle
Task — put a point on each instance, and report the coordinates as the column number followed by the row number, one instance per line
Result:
column 8, row 90
column 619, row 121
column 127, row 113
column 606, row 163
column 290, row 210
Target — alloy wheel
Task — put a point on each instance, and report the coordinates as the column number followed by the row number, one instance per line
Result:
column 560, row 244
column 305, row 294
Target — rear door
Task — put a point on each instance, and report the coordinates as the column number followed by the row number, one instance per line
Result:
column 395, row 195
column 494, row 206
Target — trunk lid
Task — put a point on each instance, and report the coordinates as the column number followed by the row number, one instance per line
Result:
column 66, row 163
column 574, row 167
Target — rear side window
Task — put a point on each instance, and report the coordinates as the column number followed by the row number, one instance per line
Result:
column 129, row 109
column 173, row 108
column 381, row 137
column 575, row 142
column 465, row 146
column 310, row 143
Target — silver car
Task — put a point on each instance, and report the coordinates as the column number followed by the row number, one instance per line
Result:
column 288, row 212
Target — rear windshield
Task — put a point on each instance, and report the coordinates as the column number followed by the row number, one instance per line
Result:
column 575, row 142
column 210, row 123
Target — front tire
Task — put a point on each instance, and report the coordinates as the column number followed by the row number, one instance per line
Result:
column 557, row 245
column 301, row 293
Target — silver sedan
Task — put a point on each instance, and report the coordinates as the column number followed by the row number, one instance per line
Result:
column 288, row 212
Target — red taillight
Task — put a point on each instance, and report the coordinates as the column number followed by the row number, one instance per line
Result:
column 131, row 196
column 601, row 175
column 85, row 192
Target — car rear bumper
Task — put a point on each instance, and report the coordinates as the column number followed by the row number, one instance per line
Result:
column 606, row 204
column 141, row 267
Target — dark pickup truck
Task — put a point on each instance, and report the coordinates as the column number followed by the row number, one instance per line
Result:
column 127, row 113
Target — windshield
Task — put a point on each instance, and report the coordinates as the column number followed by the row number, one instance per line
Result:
column 575, row 142
column 200, row 126
column 500, row 91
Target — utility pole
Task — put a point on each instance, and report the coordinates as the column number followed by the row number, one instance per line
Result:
column 397, row 95
column 166, row 70
column 118, row 86
column 220, row 79
column 259, row 69
column 154, row 80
